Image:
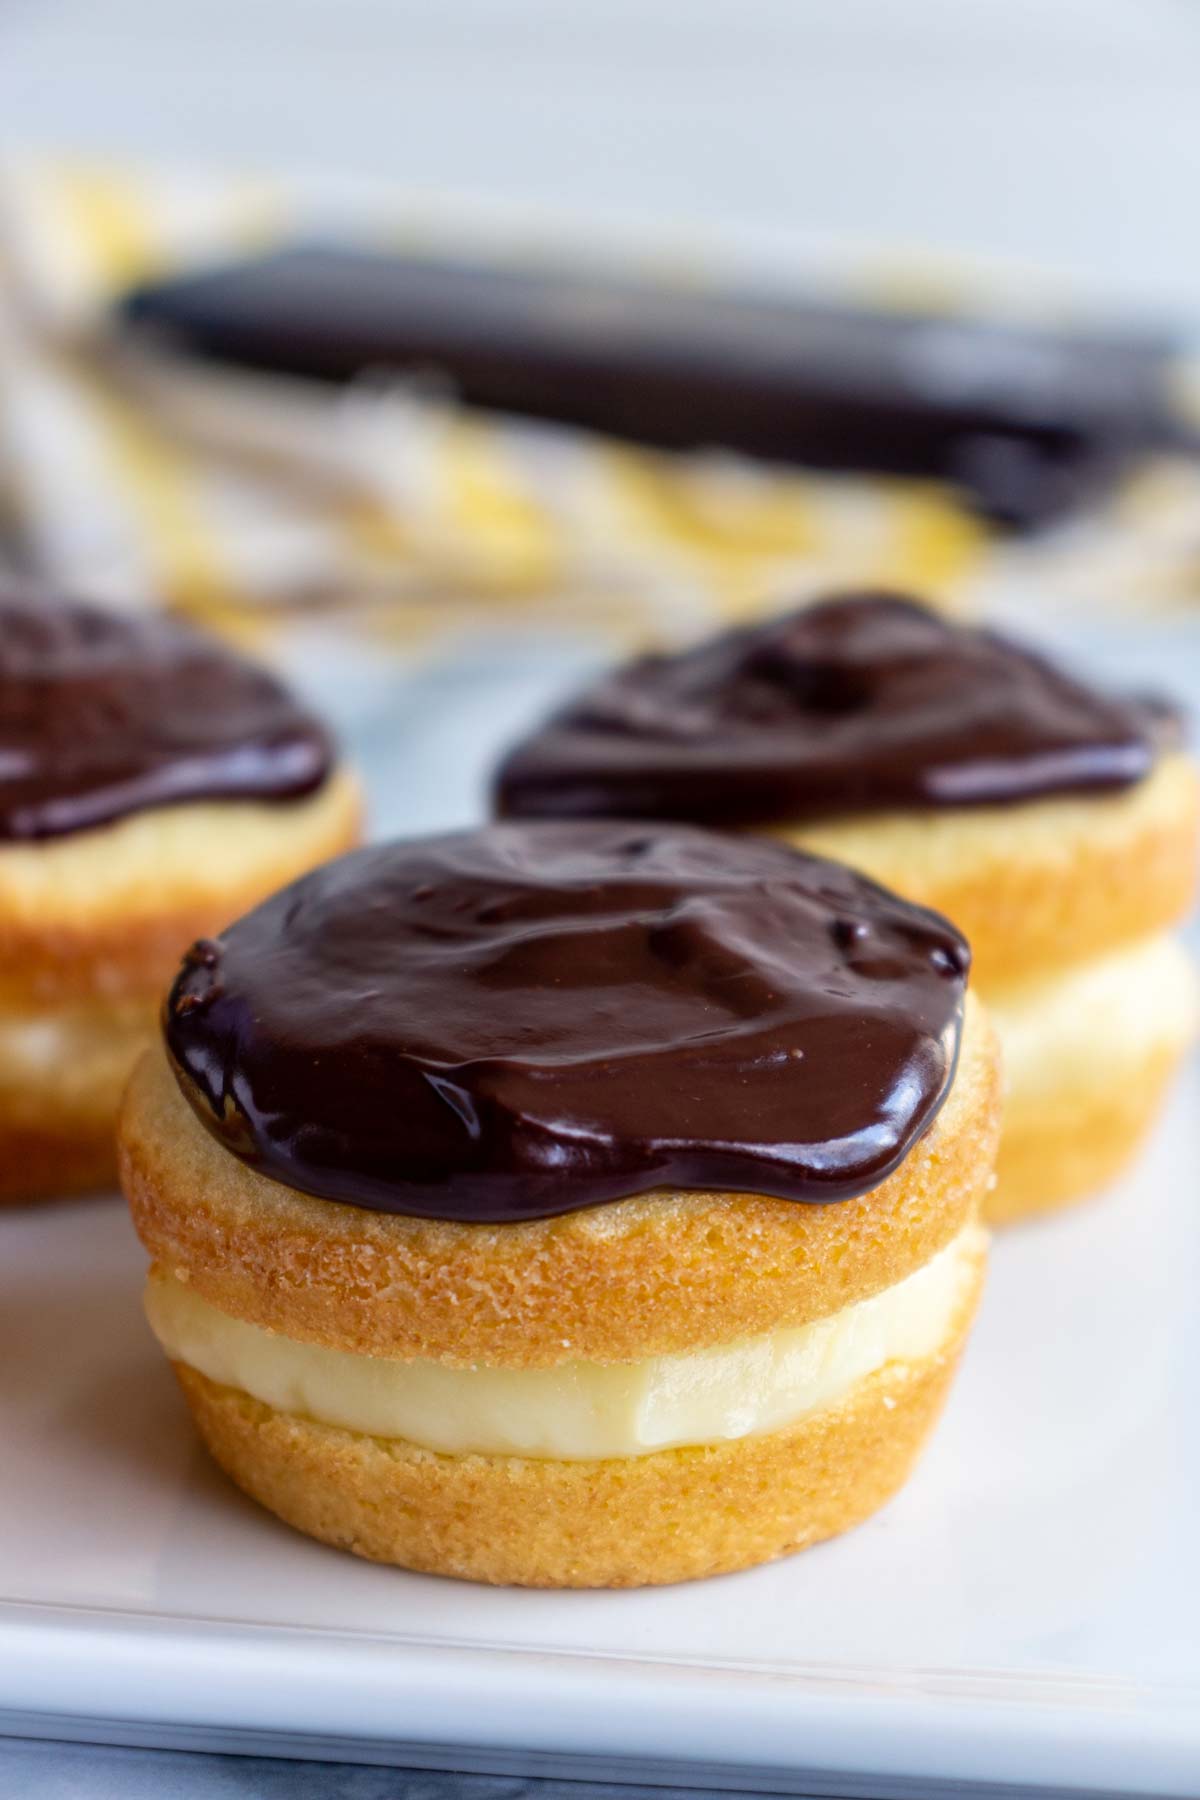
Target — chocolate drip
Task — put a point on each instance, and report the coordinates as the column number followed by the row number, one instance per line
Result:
column 102, row 715
column 869, row 703
column 526, row 1020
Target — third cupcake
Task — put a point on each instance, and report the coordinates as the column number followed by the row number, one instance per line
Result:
column 1054, row 823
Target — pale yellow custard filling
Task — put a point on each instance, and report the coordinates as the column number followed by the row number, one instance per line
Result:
column 70, row 1060
column 53, row 1042
column 1088, row 1023
column 579, row 1410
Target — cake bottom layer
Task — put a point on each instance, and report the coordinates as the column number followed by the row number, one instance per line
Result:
column 671, row 1515
column 1088, row 1056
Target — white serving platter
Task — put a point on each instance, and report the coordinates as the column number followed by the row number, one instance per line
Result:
column 1024, row 1614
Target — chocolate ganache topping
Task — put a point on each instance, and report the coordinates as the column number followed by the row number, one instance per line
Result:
column 530, row 1019
column 102, row 714
column 867, row 703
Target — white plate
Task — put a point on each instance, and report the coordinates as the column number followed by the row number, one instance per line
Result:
column 1025, row 1612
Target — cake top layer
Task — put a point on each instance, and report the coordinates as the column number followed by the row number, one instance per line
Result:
column 868, row 703
column 104, row 714
column 530, row 1019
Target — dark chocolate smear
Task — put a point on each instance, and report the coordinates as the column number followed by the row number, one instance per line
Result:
column 103, row 714
column 530, row 1019
column 867, row 703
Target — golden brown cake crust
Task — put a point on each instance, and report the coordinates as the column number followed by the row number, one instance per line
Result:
column 110, row 911
column 57, row 1113
column 1071, row 1142
column 92, row 927
column 660, row 1273
column 1035, row 886
column 669, row 1516
column 78, row 1156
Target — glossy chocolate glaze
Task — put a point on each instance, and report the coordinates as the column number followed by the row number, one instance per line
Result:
column 867, row 703
column 529, row 1019
column 104, row 714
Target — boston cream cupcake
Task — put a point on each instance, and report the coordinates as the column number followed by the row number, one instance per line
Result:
column 152, row 785
column 1056, row 825
column 567, row 1204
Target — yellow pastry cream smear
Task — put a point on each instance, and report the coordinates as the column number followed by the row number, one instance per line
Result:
column 152, row 785
column 1099, row 1017
column 568, row 1204
column 1055, row 822
column 1088, row 1055
column 579, row 1410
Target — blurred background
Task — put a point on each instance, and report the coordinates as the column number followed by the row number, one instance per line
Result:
column 1061, row 133
column 437, row 571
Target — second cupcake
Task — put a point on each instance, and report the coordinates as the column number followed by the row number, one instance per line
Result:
column 1054, row 823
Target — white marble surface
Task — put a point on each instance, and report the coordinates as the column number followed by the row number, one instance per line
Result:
column 34, row 1770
